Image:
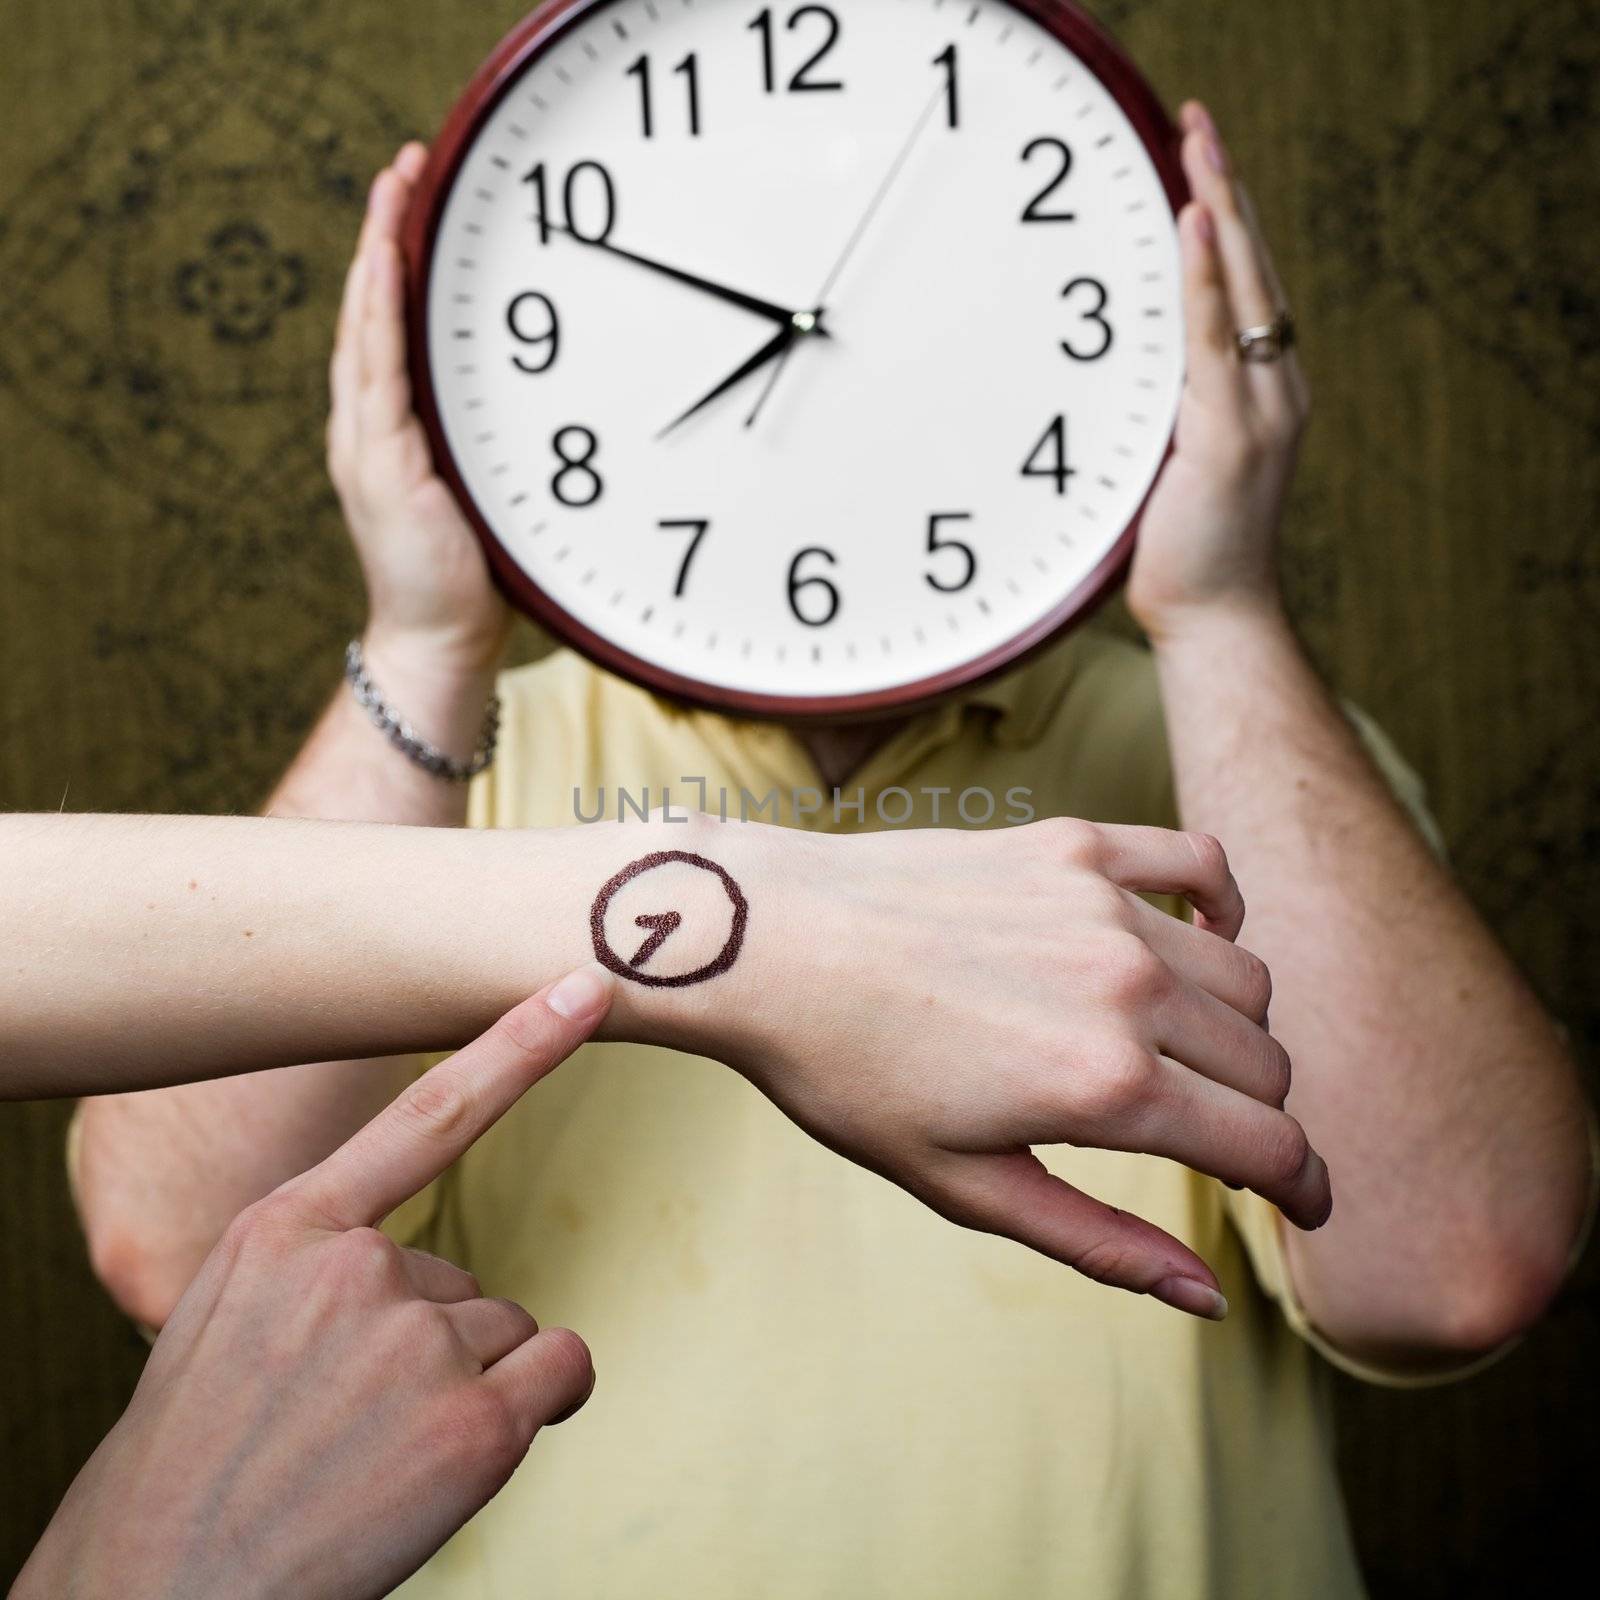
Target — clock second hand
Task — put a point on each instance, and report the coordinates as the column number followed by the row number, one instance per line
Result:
column 873, row 207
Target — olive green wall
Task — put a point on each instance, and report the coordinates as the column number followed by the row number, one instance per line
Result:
column 174, row 586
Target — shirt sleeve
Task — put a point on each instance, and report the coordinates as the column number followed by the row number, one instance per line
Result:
column 1258, row 1221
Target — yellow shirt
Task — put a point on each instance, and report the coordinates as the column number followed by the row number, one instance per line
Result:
column 811, row 1387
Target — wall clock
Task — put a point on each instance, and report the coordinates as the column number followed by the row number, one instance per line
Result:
column 802, row 360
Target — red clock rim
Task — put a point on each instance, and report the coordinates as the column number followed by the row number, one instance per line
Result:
column 500, row 72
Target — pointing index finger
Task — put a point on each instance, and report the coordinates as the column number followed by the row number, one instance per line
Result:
column 438, row 1118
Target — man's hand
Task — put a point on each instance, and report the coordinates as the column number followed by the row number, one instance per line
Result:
column 932, row 1004
column 1208, row 540
column 325, row 1408
column 429, row 591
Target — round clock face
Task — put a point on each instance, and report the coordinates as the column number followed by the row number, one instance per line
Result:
column 804, row 359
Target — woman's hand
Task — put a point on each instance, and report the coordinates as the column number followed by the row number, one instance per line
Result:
column 931, row 1004
column 1208, row 542
column 430, row 596
column 324, row 1408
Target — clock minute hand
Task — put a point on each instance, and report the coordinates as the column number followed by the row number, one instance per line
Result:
column 750, row 302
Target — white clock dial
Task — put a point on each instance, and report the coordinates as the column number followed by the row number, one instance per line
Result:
column 951, row 270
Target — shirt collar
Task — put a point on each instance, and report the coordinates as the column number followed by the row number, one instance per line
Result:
column 1022, row 699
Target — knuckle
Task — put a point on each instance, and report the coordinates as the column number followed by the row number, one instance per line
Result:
column 420, row 1334
column 1280, row 1073
column 1106, row 1261
column 1121, row 1084
column 1287, row 1152
column 526, row 1030
column 1132, row 974
column 1256, row 983
column 1074, row 841
column 250, row 1231
column 365, row 1255
column 515, row 1314
column 1209, row 855
column 437, row 1106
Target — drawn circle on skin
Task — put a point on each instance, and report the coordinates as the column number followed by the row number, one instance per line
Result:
column 719, row 963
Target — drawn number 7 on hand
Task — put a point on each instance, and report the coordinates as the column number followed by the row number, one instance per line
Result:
column 665, row 924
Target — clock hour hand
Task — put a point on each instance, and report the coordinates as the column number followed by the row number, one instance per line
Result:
column 776, row 346
column 750, row 302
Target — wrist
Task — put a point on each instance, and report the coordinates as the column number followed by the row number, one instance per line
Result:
column 461, row 652
column 1205, row 626
column 738, row 927
column 441, row 693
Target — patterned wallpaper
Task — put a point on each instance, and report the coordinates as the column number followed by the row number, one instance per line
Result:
column 180, row 186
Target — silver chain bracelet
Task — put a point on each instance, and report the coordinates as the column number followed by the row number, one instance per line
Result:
column 405, row 738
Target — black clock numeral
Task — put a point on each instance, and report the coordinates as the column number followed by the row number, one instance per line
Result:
column 1095, row 314
column 582, row 177
column 936, row 545
column 1064, row 155
column 1053, row 440
column 576, row 466
column 517, row 314
column 815, row 582
column 799, row 83
column 691, row 73
column 946, row 58
column 698, row 525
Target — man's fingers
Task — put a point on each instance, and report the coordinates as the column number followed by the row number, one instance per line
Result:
column 428, row 1127
column 386, row 397
column 1216, row 1130
column 435, row 1279
column 1211, row 180
column 490, row 1330
column 1159, row 861
column 1292, row 370
column 345, row 376
column 1229, row 971
column 1209, row 330
column 413, row 157
column 1015, row 1196
column 544, row 1380
column 1255, row 294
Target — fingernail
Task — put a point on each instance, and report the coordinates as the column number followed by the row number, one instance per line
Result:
column 1215, row 154
column 1206, row 226
column 1189, row 1294
column 581, row 994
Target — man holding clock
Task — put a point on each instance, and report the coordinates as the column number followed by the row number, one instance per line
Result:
column 811, row 1384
